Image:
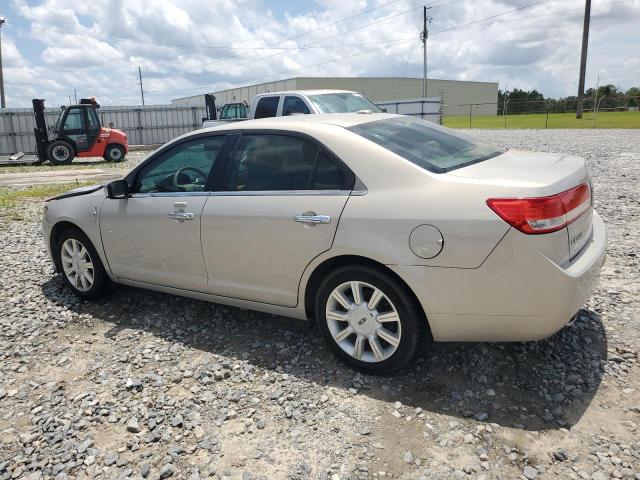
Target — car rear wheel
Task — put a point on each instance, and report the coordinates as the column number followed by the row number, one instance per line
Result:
column 114, row 153
column 60, row 152
column 80, row 264
column 368, row 319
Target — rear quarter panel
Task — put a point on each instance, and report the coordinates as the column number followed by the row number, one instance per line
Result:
column 401, row 196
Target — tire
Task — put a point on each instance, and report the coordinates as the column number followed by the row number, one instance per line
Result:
column 381, row 351
column 69, row 263
column 114, row 153
column 60, row 152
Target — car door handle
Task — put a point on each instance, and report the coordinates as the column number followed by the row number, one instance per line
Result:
column 313, row 219
column 181, row 215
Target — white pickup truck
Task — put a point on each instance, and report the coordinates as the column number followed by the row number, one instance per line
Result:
column 301, row 102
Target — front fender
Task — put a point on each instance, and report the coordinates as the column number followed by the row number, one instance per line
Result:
column 120, row 138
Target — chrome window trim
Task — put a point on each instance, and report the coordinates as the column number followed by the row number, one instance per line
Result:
column 170, row 194
column 359, row 188
column 252, row 193
column 281, row 193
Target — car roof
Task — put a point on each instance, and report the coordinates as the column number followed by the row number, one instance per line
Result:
column 290, row 122
column 304, row 92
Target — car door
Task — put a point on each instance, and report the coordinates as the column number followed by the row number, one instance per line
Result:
column 294, row 105
column 282, row 200
column 153, row 236
column 267, row 107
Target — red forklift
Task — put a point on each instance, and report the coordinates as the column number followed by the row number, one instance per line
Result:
column 78, row 133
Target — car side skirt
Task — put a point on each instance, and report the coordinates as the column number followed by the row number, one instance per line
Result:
column 291, row 312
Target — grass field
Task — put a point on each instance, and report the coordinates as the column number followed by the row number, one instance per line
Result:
column 555, row 120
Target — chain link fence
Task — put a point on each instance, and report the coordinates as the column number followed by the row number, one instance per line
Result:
column 551, row 113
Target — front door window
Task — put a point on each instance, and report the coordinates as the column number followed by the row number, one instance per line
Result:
column 184, row 168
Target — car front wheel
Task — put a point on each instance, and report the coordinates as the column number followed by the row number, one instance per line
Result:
column 369, row 319
column 80, row 264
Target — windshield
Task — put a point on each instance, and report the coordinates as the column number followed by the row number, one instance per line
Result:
column 231, row 111
column 429, row 146
column 342, row 103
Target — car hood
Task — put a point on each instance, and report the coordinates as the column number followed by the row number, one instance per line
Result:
column 76, row 192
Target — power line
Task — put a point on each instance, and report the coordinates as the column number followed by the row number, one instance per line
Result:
column 318, row 64
column 214, row 47
column 389, row 45
column 457, row 27
column 308, row 45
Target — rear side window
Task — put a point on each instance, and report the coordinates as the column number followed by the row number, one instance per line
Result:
column 267, row 107
column 329, row 175
column 427, row 145
column 263, row 162
column 293, row 105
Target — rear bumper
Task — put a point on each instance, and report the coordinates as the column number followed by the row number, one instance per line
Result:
column 518, row 294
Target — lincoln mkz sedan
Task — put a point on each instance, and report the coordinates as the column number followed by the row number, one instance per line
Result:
column 382, row 229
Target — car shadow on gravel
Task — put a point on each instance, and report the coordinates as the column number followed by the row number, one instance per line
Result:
column 534, row 385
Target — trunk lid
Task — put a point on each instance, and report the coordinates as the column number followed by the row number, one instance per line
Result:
column 520, row 175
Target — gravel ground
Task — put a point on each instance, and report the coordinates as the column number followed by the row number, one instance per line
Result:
column 147, row 385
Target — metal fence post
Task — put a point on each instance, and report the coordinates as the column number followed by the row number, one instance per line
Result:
column 546, row 122
column 140, row 128
column 12, row 133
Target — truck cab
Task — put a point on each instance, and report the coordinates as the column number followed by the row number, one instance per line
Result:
column 303, row 102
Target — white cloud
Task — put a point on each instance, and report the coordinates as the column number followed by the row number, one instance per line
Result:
column 172, row 41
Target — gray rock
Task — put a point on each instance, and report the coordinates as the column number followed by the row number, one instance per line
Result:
column 133, row 426
column 530, row 472
column 145, row 469
column 167, row 471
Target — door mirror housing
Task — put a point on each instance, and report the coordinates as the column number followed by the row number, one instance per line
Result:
column 117, row 189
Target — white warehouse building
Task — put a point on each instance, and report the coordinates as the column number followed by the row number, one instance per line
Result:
column 456, row 94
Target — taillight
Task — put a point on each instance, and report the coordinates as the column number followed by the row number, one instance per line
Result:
column 543, row 214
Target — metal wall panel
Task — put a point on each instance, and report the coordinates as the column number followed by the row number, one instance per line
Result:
column 426, row 108
column 149, row 125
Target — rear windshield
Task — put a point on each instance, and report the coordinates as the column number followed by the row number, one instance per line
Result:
column 427, row 145
column 342, row 103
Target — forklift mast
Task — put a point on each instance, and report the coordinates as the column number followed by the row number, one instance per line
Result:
column 42, row 137
column 210, row 103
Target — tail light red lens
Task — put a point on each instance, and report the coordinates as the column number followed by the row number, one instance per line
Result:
column 543, row 214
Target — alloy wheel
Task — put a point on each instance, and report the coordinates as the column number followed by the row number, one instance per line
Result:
column 77, row 264
column 363, row 321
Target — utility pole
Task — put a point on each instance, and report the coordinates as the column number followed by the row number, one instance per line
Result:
column 583, row 56
column 75, row 96
column 424, row 36
column 2, row 102
column 141, row 90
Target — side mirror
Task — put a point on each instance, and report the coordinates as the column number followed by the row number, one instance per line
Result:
column 117, row 189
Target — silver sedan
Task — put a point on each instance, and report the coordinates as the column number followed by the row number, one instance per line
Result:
column 382, row 229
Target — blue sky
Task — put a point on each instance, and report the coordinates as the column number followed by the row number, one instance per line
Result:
column 187, row 47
